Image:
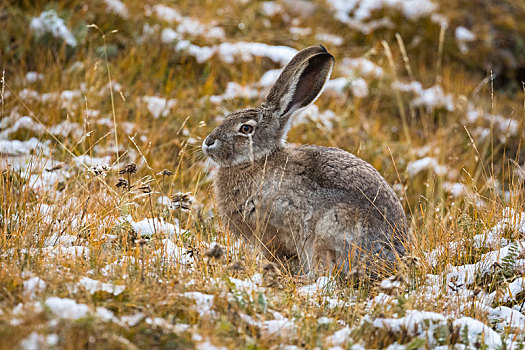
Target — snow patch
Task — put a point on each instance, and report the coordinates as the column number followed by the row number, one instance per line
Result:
column 49, row 23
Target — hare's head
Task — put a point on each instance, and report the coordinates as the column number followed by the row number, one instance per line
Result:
column 254, row 133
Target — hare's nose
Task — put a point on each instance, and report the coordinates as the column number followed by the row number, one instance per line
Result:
column 209, row 141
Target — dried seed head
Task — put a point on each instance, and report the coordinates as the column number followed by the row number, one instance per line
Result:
column 392, row 284
column 145, row 189
column 236, row 266
column 141, row 241
column 99, row 170
column 215, row 252
column 130, row 168
column 165, row 172
column 271, row 269
column 55, row 168
column 356, row 273
column 192, row 252
column 182, row 201
column 122, row 183
column 410, row 260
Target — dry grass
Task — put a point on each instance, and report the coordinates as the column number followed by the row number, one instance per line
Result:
column 382, row 128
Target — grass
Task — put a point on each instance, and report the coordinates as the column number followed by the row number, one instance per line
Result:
column 113, row 69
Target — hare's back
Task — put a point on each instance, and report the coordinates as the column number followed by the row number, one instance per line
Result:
column 350, row 179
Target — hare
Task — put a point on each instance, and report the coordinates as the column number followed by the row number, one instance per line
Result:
column 322, row 206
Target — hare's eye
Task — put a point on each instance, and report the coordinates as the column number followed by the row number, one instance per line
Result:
column 246, row 129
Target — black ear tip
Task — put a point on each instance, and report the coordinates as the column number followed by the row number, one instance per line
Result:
column 323, row 48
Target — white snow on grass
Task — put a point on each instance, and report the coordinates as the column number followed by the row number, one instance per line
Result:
column 340, row 337
column 250, row 285
column 332, row 39
column 166, row 13
column 234, row 90
column 159, row 106
column 203, row 302
column 168, row 35
column 93, row 286
column 32, row 77
column 49, row 23
column 21, row 123
column 17, row 148
column 206, row 345
column 192, row 27
column 34, row 285
column 426, row 163
column 478, row 330
column 246, row 51
column 359, row 14
column 35, row 341
column 66, row 308
column 511, row 290
column 464, row 275
column 431, row 98
column 463, row 36
column 150, row 226
column 117, row 7
column 360, row 66
column 323, row 285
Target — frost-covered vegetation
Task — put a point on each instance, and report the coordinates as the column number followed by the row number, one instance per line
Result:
column 108, row 237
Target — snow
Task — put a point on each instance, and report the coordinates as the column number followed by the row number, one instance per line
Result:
column 269, row 78
column 117, row 7
column 357, row 14
column 456, row 189
column 66, row 308
column 16, row 147
column 340, row 337
column 322, row 285
column 193, row 27
column 431, row 98
column 427, row 163
column 250, row 285
column 24, row 122
column 149, row 226
column 208, row 346
column 271, row 8
column 506, row 317
column 49, row 23
column 203, row 302
column 280, row 327
column 463, row 36
column 234, row 90
column 412, row 322
column 331, row 39
column 168, row 35
column 32, row 77
column 513, row 289
column 132, row 320
column 93, row 286
column 172, row 253
column 246, row 51
column 159, row 106
column 476, row 329
column 464, row 275
column 35, row 341
column 166, row 13
column 360, row 66
column 34, row 285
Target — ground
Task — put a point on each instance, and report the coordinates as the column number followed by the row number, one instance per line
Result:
column 108, row 233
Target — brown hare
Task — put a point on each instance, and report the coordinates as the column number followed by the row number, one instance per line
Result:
column 321, row 206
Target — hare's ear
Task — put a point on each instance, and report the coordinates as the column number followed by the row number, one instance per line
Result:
column 301, row 82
